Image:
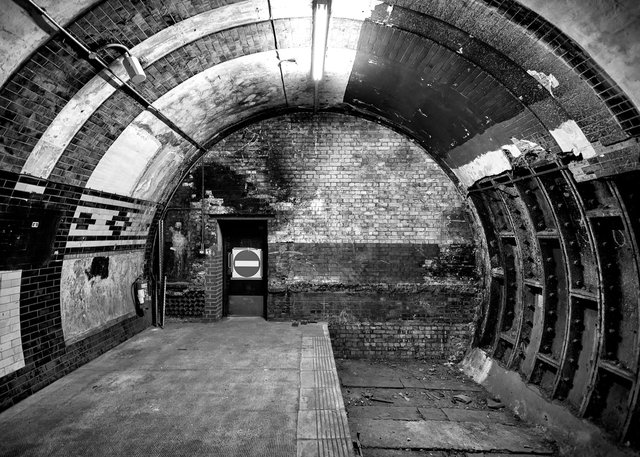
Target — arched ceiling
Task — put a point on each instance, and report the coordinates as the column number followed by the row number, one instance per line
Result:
column 466, row 79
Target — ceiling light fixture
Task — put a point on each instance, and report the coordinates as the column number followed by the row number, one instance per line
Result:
column 130, row 62
column 321, row 11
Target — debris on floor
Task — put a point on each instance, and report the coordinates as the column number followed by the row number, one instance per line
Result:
column 423, row 409
column 494, row 404
column 462, row 399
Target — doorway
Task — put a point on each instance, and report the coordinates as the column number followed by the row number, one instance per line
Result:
column 245, row 267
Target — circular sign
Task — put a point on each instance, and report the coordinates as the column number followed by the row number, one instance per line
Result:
column 246, row 263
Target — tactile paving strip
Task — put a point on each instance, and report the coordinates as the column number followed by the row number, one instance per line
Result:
column 323, row 430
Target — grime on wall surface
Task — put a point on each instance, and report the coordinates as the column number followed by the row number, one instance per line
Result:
column 186, row 247
column 360, row 219
column 96, row 291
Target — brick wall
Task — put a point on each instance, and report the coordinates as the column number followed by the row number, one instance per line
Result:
column 400, row 340
column 610, row 161
column 434, row 302
column 213, row 289
column 362, row 222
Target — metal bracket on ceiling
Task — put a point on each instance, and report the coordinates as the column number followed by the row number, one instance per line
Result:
column 321, row 14
column 275, row 42
column 101, row 65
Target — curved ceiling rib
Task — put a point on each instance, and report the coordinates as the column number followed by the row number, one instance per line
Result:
column 446, row 84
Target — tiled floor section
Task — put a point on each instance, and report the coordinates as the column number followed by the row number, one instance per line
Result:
column 322, row 422
column 237, row 388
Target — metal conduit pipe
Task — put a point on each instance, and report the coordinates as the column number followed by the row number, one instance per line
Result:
column 94, row 59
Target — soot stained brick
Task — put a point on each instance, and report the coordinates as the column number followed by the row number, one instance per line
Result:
column 357, row 213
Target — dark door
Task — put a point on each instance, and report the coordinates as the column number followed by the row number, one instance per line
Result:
column 245, row 266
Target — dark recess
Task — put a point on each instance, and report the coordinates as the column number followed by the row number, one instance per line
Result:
column 99, row 267
column 26, row 236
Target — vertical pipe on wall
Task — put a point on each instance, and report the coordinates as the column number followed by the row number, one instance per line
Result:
column 202, row 231
column 160, row 299
column 164, row 295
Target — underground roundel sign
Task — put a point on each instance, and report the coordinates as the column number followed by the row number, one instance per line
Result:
column 246, row 263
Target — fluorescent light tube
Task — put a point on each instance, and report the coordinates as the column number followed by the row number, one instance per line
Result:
column 319, row 46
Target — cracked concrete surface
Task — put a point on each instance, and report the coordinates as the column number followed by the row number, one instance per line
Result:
column 418, row 409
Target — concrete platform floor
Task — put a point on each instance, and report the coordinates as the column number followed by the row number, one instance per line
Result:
column 241, row 387
column 417, row 409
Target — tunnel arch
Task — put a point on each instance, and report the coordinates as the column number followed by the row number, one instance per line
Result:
column 68, row 137
column 377, row 17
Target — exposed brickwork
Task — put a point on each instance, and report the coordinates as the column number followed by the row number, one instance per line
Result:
column 332, row 178
column 400, row 340
column 358, row 263
column 361, row 219
column 455, row 301
column 613, row 160
column 213, row 291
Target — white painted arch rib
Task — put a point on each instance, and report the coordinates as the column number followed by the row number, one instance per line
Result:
column 207, row 102
column 89, row 98
column 139, row 166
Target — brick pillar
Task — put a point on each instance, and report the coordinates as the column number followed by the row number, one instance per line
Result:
column 213, row 278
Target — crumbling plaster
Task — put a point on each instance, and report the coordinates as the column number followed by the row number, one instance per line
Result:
column 90, row 302
column 609, row 30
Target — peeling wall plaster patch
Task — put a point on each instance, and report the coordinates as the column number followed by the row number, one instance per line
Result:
column 488, row 164
column 477, row 365
column 124, row 162
column 525, row 146
column 513, row 149
column 570, row 137
column 158, row 174
column 89, row 304
column 549, row 81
